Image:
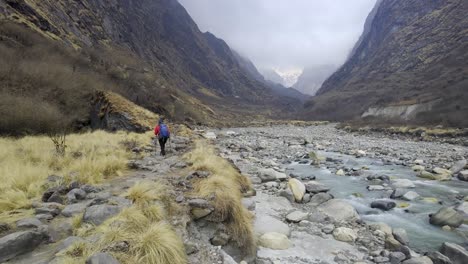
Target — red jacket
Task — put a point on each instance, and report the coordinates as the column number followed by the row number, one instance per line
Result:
column 156, row 130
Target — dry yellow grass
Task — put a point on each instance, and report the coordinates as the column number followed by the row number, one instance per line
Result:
column 91, row 158
column 227, row 186
column 150, row 238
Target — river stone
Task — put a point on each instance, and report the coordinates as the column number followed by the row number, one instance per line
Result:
column 427, row 175
column 340, row 172
column 375, row 188
column 296, row 216
column 401, row 235
column 320, row 198
column 102, row 258
column 418, row 260
column 74, row 209
column 275, row 241
column 344, row 234
column 446, row 216
column 267, row 224
column 403, row 183
column 391, row 243
column 382, row 227
column 19, row 243
column 97, row 214
column 396, row 257
column 410, row 196
column 316, row 187
column 287, row 193
column 338, row 210
column 463, row 210
column 463, row 175
column 458, row 166
column 210, row 135
column 28, row 223
column 270, row 174
column 384, row 205
column 439, row 258
column 417, row 168
column 456, row 253
column 297, row 188
column 398, row 193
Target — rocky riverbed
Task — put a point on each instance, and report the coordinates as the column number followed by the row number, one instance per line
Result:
column 325, row 195
column 322, row 195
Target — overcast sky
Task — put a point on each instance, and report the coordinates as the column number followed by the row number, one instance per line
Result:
column 284, row 34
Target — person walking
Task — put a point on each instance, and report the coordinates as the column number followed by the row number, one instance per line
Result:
column 163, row 134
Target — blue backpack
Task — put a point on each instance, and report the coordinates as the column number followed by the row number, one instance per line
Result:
column 163, row 131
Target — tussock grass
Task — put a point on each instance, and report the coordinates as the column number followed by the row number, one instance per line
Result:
column 143, row 226
column 225, row 188
column 26, row 163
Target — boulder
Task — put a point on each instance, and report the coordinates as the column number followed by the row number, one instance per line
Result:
column 275, row 241
column 456, row 253
column 410, row 196
column 427, row 175
column 340, row 172
column 418, row 260
column 316, row 187
column 74, row 209
column 269, row 174
column 296, row 216
column 398, row 193
column 417, row 168
column 266, row 224
column 28, row 223
column 344, row 234
column 102, row 258
column 97, row 214
column 382, row 227
column 391, row 243
column 338, row 210
column 396, row 257
column 76, row 194
column 463, row 175
column 288, row 194
column 384, row 205
column 297, row 188
column 446, row 216
column 320, row 198
column 375, row 188
column 463, row 210
column 439, row 258
column 403, row 183
column 401, row 235
column 458, row 166
column 19, row 243
column 210, row 135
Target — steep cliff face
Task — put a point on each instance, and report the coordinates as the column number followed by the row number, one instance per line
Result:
column 160, row 43
column 411, row 52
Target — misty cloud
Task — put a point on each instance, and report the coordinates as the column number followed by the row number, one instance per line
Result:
column 285, row 34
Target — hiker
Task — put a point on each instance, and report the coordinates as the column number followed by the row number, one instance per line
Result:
column 163, row 134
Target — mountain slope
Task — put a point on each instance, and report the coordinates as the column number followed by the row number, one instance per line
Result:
column 312, row 78
column 413, row 56
column 151, row 51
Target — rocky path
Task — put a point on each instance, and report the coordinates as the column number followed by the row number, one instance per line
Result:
column 299, row 221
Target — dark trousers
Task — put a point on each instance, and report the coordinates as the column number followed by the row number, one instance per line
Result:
column 162, row 144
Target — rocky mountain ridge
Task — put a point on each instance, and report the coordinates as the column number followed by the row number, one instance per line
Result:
column 412, row 52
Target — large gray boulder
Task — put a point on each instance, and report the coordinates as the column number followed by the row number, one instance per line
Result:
column 446, row 216
column 458, row 166
column 463, row 210
column 418, row 260
column 28, row 223
column 320, row 198
column 102, row 258
column 74, row 209
column 463, row 175
column 267, row 224
column 97, row 214
column 19, row 243
column 316, row 187
column 401, row 235
column 456, row 253
column 267, row 175
column 439, row 258
column 338, row 210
